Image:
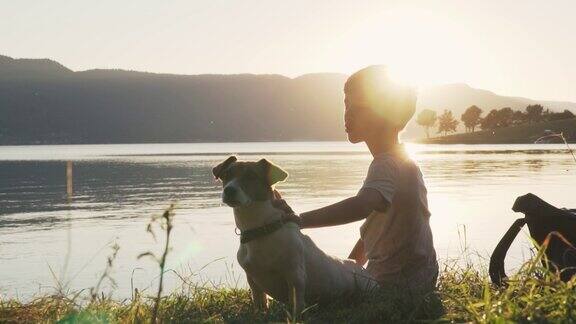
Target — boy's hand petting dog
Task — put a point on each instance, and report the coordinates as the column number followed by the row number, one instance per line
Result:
column 289, row 214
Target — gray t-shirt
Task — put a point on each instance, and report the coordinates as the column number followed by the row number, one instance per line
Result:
column 398, row 241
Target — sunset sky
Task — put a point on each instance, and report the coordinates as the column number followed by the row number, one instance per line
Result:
column 519, row 48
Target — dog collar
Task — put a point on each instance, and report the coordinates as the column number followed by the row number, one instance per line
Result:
column 255, row 233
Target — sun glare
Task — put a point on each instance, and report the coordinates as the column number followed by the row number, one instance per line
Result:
column 419, row 47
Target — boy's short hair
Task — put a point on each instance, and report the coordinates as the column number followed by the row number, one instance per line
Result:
column 394, row 102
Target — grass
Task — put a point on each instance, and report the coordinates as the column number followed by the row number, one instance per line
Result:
column 464, row 294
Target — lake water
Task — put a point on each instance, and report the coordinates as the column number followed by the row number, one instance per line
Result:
column 47, row 240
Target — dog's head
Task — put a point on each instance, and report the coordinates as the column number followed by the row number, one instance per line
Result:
column 247, row 182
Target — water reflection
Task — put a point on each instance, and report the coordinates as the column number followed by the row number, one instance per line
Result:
column 29, row 187
column 117, row 188
column 34, row 193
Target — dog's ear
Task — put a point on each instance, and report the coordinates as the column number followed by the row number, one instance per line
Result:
column 271, row 172
column 217, row 170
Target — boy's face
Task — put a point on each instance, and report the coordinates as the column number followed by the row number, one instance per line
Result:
column 360, row 120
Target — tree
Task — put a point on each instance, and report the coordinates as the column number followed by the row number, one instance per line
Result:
column 546, row 114
column 498, row 118
column 534, row 113
column 518, row 117
column 427, row 118
column 566, row 114
column 471, row 118
column 490, row 121
column 504, row 117
column 447, row 123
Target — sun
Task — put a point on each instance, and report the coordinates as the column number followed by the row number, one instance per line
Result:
column 418, row 47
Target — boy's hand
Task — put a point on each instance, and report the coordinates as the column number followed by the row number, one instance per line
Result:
column 358, row 253
column 293, row 218
column 289, row 214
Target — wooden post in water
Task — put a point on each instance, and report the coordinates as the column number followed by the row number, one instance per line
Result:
column 69, row 180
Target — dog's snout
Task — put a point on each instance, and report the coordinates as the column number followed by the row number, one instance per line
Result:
column 232, row 196
column 229, row 191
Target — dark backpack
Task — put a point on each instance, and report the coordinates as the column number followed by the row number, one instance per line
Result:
column 542, row 219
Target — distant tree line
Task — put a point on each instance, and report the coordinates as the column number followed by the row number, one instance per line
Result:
column 496, row 118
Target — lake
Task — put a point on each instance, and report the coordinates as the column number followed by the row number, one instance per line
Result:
column 49, row 240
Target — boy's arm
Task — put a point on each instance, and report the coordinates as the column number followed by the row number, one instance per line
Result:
column 346, row 211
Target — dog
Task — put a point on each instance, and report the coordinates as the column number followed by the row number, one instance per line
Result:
column 278, row 259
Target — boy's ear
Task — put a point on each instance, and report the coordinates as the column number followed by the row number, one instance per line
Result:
column 272, row 172
column 217, row 170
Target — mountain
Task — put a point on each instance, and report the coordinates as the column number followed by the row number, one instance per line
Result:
column 17, row 68
column 41, row 101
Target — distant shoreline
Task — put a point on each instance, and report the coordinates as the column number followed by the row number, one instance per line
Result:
column 520, row 134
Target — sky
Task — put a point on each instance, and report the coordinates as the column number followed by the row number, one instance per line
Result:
column 518, row 48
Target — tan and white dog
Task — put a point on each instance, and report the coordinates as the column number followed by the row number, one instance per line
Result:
column 278, row 259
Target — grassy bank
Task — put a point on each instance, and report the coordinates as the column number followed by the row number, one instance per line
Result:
column 464, row 294
column 510, row 135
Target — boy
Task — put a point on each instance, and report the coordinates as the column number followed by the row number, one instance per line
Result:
column 395, row 238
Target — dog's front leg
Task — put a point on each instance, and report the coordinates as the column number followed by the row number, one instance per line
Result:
column 296, row 290
column 258, row 295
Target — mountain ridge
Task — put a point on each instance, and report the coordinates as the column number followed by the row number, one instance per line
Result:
column 42, row 101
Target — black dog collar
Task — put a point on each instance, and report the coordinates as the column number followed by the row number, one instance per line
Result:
column 254, row 233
